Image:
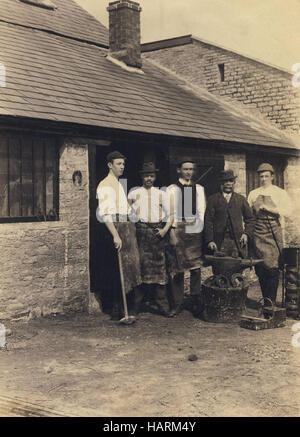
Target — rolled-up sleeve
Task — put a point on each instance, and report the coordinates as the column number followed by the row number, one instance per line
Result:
column 107, row 203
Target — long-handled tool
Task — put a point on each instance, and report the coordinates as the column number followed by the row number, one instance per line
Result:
column 203, row 175
column 127, row 320
column 281, row 259
column 234, row 236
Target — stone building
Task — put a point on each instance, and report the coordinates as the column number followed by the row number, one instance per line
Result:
column 265, row 90
column 222, row 72
column 66, row 100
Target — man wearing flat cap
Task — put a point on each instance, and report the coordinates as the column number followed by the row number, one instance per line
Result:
column 270, row 205
column 119, row 236
column 153, row 218
column 189, row 206
column 228, row 222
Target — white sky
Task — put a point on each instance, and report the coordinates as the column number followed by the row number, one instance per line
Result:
column 265, row 29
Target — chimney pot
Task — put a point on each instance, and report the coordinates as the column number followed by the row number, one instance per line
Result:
column 124, row 32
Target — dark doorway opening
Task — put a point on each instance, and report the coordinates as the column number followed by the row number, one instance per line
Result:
column 166, row 156
column 135, row 155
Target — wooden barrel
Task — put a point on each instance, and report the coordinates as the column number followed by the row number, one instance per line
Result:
column 223, row 305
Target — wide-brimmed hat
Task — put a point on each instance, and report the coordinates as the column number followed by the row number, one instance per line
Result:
column 114, row 155
column 148, row 167
column 265, row 167
column 226, row 175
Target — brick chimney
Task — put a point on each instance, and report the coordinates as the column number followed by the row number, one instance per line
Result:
column 124, row 32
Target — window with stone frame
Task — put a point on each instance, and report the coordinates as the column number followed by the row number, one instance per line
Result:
column 28, row 178
column 222, row 72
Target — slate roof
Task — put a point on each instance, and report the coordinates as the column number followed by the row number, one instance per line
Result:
column 68, row 19
column 51, row 77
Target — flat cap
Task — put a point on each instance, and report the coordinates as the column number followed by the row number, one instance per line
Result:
column 265, row 167
column 184, row 160
column 114, row 155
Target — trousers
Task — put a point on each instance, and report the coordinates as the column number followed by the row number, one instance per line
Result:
column 177, row 288
column 269, row 281
column 154, row 294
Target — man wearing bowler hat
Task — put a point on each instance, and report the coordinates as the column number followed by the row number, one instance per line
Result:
column 119, row 235
column 228, row 221
column 151, row 207
column 270, row 205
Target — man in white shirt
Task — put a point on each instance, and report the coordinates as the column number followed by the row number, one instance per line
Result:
column 189, row 208
column 151, row 211
column 119, row 235
column 270, row 205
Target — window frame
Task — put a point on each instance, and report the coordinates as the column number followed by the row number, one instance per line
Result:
column 221, row 68
column 43, row 138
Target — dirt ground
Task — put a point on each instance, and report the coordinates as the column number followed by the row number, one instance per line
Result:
column 85, row 365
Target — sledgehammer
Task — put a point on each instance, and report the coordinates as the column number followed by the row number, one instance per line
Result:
column 127, row 320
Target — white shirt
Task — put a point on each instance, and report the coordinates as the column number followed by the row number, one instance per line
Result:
column 200, row 206
column 227, row 196
column 150, row 206
column 278, row 196
column 111, row 198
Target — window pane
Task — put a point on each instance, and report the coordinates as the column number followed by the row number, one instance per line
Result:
column 50, row 161
column 3, row 177
column 27, row 184
column 28, row 177
column 14, row 177
column 38, row 177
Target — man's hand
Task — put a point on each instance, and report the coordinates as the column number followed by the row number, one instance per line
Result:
column 160, row 232
column 212, row 246
column 117, row 243
column 244, row 240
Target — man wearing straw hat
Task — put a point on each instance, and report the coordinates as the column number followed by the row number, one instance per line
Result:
column 270, row 205
column 121, row 260
column 153, row 220
column 228, row 222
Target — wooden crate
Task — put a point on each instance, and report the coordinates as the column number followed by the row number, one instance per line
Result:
column 277, row 318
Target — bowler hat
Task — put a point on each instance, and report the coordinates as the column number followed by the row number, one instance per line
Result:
column 114, row 155
column 265, row 167
column 226, row 175
column 148, row 167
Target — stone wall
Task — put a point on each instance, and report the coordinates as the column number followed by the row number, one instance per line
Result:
column 291, row 183
column 45, row 265
column 252, row 83
column 237, row 163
